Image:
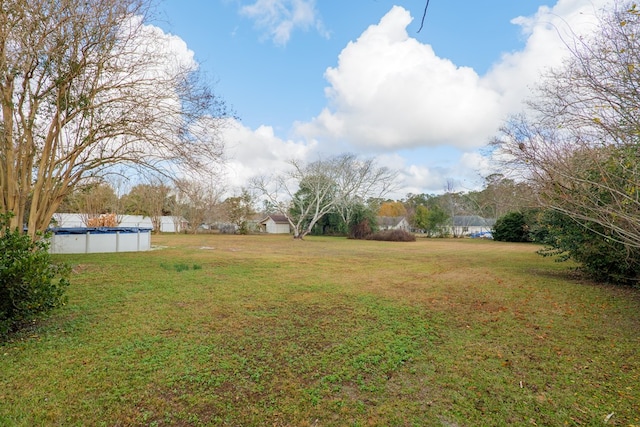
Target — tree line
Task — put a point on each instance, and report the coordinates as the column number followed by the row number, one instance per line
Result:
column 331, row 196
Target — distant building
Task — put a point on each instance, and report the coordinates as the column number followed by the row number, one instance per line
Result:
column 275, row 224
column 465, row 225
column 393, row 223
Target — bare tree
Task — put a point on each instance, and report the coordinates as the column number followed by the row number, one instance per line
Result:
column 198, row 199
column 360, row 181
column 581, row 151
column 86, row 85
column 92, row 200
column 309, row 191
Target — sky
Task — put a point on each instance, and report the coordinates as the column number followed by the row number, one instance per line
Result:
column 309, row 79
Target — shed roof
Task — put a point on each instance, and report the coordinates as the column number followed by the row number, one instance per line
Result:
column 277, row 218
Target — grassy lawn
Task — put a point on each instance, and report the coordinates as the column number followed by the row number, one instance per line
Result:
column 267, row 331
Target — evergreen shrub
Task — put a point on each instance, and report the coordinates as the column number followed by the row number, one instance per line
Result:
column 30, row 283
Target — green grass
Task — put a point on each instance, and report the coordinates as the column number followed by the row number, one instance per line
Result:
column 264, row 330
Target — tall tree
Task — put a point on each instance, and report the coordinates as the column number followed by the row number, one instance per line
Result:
column 433, row 221
column 149, row 200
column 361, row 182
column 239, row 209
column 499, row 196
column 86, row 85
column 580, row 147
column 307, row 192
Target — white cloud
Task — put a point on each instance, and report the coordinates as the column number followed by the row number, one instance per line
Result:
column 389, row 91
column 259, row 152
column 279, row 18
column 548, row 32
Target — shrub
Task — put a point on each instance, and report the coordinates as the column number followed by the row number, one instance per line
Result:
column 512, row 227
column 30, row 283
column 393, row 236
column 600, row 255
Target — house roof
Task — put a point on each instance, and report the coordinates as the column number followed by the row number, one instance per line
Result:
column 390, row 221
column 278, row 219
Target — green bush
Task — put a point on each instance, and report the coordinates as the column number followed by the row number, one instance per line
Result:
column 511, row 227
column 599, row 254
column 30, row 283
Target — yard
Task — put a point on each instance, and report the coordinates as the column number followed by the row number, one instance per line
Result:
column 264, row 330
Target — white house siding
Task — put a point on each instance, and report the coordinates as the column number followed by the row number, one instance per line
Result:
column 277, row 228
column 470, row 224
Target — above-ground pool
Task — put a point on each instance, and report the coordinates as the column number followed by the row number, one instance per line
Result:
column 85, row 240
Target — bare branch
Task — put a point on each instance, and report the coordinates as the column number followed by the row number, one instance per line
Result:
column 87, row 85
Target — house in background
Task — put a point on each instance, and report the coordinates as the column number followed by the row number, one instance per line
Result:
column 275, row 224
column 393, row 223
column 465, row 225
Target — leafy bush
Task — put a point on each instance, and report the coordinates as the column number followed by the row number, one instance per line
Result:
column 30, row 283
column 393, row 236
column 511, row 227
column 600, row 255
column 330, row 224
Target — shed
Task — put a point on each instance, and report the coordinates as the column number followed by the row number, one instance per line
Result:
column 275, row 224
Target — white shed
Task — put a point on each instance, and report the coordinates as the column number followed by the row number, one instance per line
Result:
column 275, row 224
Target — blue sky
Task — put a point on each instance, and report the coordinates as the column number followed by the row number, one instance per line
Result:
column 314, row 78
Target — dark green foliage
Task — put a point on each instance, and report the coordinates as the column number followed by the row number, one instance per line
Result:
column 511, row 227
column 601, row 257
column 331, row 224
column 363, row 222
column 30, row 283
column 393, row 236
